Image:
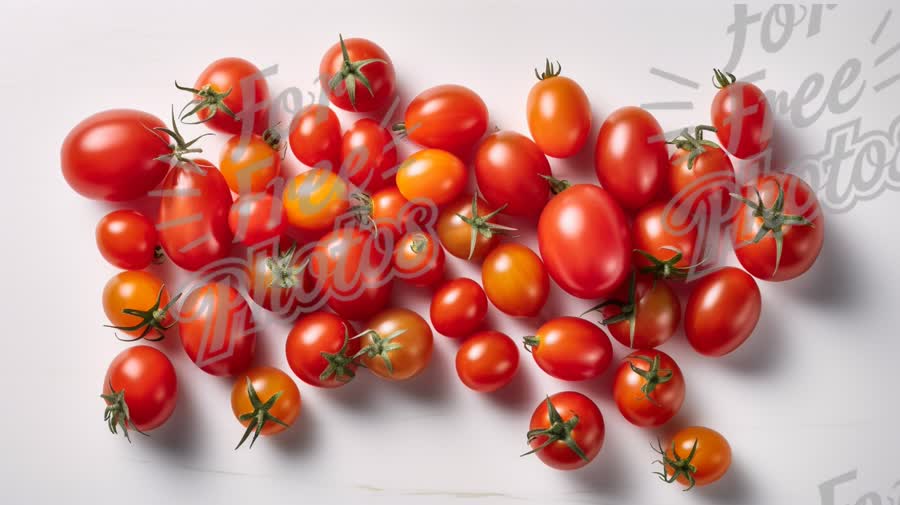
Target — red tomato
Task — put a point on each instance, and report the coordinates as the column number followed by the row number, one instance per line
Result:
column 701, row 175
column 487, row 361
column 434, row 176
column 255, row 218
column 138, row 303
column 113, row 155
column 315, row 199
column 369, row 154
column 559, row 113
column 397, row 344
column 740, row 112
column 647, row 305
column 457, row 221
column 315, row 137
column 280, row 281
column 320, row 350
column 511, row 170
column 140, row 390
column 458, row 308
column 266, row 401
column 697, row 456
column 357, row 75
column 127, row 239
column 722, row 311
column 648, row 388
column 570, row 349
column 631, row 157
column 566, row 431
column 779, row 228
column 251, row 164
column 419, row 260
column 665, row 241
column 448, row 117
column 219, row 97
column 584, row 241
column 217, row 330
column 515, row 280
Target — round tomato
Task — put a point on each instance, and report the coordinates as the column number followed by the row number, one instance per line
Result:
column 515, row 280
column 448, row 117
column 127, row 239
column 665, row 242
column 697, row 456
column 397, row 344
column 368, row 153
column 722, row 311
column 434, row 176
column 642, row 314
column 255, row 218
column 219, row 97
column 217, row 330
column 320, row 350
column 487, row 361
column 315, row 199
column 387, row 212
column 566, row 431
column 559, row 113
column 138, row 303
column 315, row 137
column 701, row 175
column 458, row 308
column 740, row 112
column 570, row 349
column 648, row 388
column 140, row 390
column 511, row 170
column 419, row 260
column 266, row 401
column 279, row 281
column 465, row 228
column 357, row 75
column 250, row 164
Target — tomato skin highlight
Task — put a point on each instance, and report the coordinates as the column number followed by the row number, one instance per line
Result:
column 711, row 460
column 138, row 290
column 419, row 260
column 380, row 74
column 722, row 311
column 559, row 116
column 313, row 200
column 706, row 186
column 368, row 153
column 456, row 235
column 588, row 433
column 267, row 381
column 743, row 120
column 508, row 168
column 458, row 308
column 657, row 227
column 658, row 313
column 148, row 380
column 315, row 137
column 230, row 74
column 515, row 280
column 249, row 165
column 127, row 239
column 432, row 175
column 571, row 349
column 217, row 329
column 416, row 344
column 448, row 117
column 664, row 400
column 314, row 334
column 487, row 361
column 255, row 218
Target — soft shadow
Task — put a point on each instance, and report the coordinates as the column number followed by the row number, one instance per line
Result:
column 301, row 437
column 355, row 395
column 605, row 476
column 735, row 488
column 519, row 394
column 178, row 437
column 830, row 281
column 761, row 353
column 432, row 386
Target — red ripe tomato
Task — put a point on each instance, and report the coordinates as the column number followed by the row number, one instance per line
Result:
column 700, row 175
column 779, row 228
column 584, row 241
column 466, row 230
column 138, row 303
column 419, row 260
column 515, row 280
column 647, row 305
column 665, row 241
column 266, row 401
column 140, row 390
column 387, row 212
column 511, row 170
column 448, row 117
column 648, row 388
column 570, row 349
column 397, row 345
column 697, row 456
column 631, row 157
column 113, row 155
column 255, row 218
column 740, row 112
column 315, row 137
column 217, row 330
column 320, row 350
column 127, row 239
column 559, row 113
column 315, row 199
column 219, row 99
column 434, row 176
column 278, row 280
column 358, row 75
column 566, row 431
column 251, row 164
column 487, row 361
column 458, row 308
column 722, row 311
column 368, row 153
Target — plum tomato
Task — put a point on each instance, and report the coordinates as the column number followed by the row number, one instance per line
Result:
column 511, row 172
column 448, row 117
column 559, row 113
column 570, row 349
column 515, row 280
column 722, row 311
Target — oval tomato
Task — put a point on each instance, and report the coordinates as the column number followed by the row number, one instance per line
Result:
column 138, row 303
column 647, row 305
column 251, row 164
column 419, row 260
column 434, row 176
column 458, row 308
column 648, row 388
column 448, row 117
column 487, row 361
column 127, row 239
column 255, row 218
column 559, row 113
column 722, row 311
column 397, row 344
column 140, row 390
column 266, row 401
column 357, row 75
column 320, row 350
column 456, row 222
column 566, row 431
column 315, row 137
column 701, row 175
column 369, row 154
column 219, row 97
column 515, row 280
column 740, row 112
column 511, row 170
column 665, row 241
column 278, row 280
column 570, row 349
column 217, row 330
column 697, row 456
column 315, row 199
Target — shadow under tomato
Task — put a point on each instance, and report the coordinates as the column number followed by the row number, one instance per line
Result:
column 432, row 385
column 733, row 488
column 605, row 476
column 761, row 353
column 301, row 437
column 830, row 282
column 520, row 394
column 177, row 438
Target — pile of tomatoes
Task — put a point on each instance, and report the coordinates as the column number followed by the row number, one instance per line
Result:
column 323, row 248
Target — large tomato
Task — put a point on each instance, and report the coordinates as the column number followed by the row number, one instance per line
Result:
column 357, row 75
column 313, row 200
column 515, row 280
column 434, row 176
column 127, row 239
column 266, row 401
column 665, row 241
column 396, row 345
column 566, row 431
column 448, row 117
column 648, row 388
column 722, row 311
column 559, row 113
column 217, row 330
column 570, row 349
column 487, row 361
column 140, row 390
column 278, row 280
column 465, row 228
column 458, row 308
column 511, row 170
column 220, row 97
column 697, row 456
column 369, row 154
column 315, row 137
column 419, row 259
column 255, row 218
column 251, row 164
column 320, row 350
column 740, row 112
column 642, row 314
column 700, row 175
column 138, row 303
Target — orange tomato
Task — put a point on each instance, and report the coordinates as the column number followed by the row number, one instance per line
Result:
column 696, row 456
column 456, row 234
column 515, row 280
column 265, row 382
column 145, row 296
column 432, row 175
column 397, row 345
column 559, row 114
column 314, row 199
column 419, row 260
column 249, row 166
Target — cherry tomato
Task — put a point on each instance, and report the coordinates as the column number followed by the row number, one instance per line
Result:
column 112, row 155
column 722, row 311
column 138, row 303
column 266, row 401
column 559, row 113
column 487, row 361
column 358, row 75
column 397, row 344
column 219, row 97
column 448, row 117
column 510, row 171
column 369, row 154
column 140, row 390
column 570, row 349
column 278, row 280
column 566, row 431
column 315, row 199
column 320, row 350
column 315, row 137
column 515, row 280
column 127, row 239
column 217, row 330
column 648, row 388
column 255, row 218
column 631, row 157
column 387, row 212
column 697, row 456
column 700, row 175
column 419, row 260
column 647, row 304
column 740, row 112
column 456, row 222
column 665, row 241
column 458, row 308
column 432, row 175
column 250, row 164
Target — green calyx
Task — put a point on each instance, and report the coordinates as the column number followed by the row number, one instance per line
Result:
column 159, row 255
column 627, row 309
column 549, row 70
column 340, row 366
column 350, row 72
column 205, row 99
column 116, row 414
column 260, row 415
column 722, row 79
column 285, row 274
column 531, row 342
column 695, row 145
column 653, row 377
column 381, row 347
column 481, row 225
column 557, row 186
column 679, row 466
column 151, row 319
column 273, row 139
column 362, row 210
column 179, row 148
column 558, row 431
column 667, row 269
column 418, row 244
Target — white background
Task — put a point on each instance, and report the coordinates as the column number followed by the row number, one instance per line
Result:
column 811, row 396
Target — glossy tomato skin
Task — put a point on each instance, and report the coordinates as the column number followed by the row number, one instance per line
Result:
column 380, row 74
column 744, row 123
column 588, row 433
column 711, row 460
column 433, row 176
column 193, row 216
column 515, row 280
column 416, row 344
column 315, row 137
column 584, row 241
column 705, row 187
column 722, row 311
column 314, row 334
column 368, row 153
column 249, row 164
column 419, row 259
column 659, row 226
column 658, row 313
column 127, row 239
column 508, row 168
column 313, row 200
column 112, row 155
column 571, row 349
column 662, row 403
column 456, row 235
column 217, row 329
column 148, row 380
column 273, row 287
column 235, row 74
column 267, row 382
column 391, row 214
column 559, row 116
column 255, row 218
column 800, row 244
column 137, row 290
column 448, row 117
column 487, row 361
column 630, row 157
column 458, row 308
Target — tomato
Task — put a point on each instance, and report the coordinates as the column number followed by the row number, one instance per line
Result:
column 437, row 177
column 320, row 350
column 217, row 330
column 631, row 157
column 387, row 212
column 357, row 75
column 487, row 361
column 458, row 308
column 740, row 112
column 140, row 390
column 138, row 303
column 448, row 117
column 648, row 388
column 396, row 345
column 779, row 228
column 255, row 218
column 584, row 241
column 315, row 137
column 352, row 271
column 511, row 170
column 127, row 239
column 665, row 241
column 251, row 164
column 642, row 314
column 369, row 154
column 115, row 155
column 465, row 228
column 278, row 280
column 559, row 113
column 515, row 280
column 722, row 311
column 419, row 260
column 266, row 401
column 697, row 456
column 570, row 349
column 314, row 199
column 219, row 99
column 700, row 175
column 566, row 431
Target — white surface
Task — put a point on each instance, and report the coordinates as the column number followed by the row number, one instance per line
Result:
column 811, row 396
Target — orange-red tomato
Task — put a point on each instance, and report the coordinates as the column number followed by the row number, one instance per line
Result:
column 562, row 426
column 220, row 89
column 143, row 294
column 358, row 76
column 654, row 307
column 511, row 170
column 369, row 154
column 702, row 185
column 648, row 388
column 487, row 361
column 449, row 117
column 249, row 165
column 217, row 330
column 279, row 279
column 419, row 260
column 320, row 350
column 570, row 349
column 432, row 175
column 722, row 311
column 265, row 382
column 255, row 218
column 456, row 234
column 315, row 137
column 559, row 114
column 742, row 117
column 515, row 280
column 140, row 390
column 388, row 212
column 314, row 199
column 661, row 230
column 127, row 239
column 696, row 456
column 397, row 344
column 458, row 308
